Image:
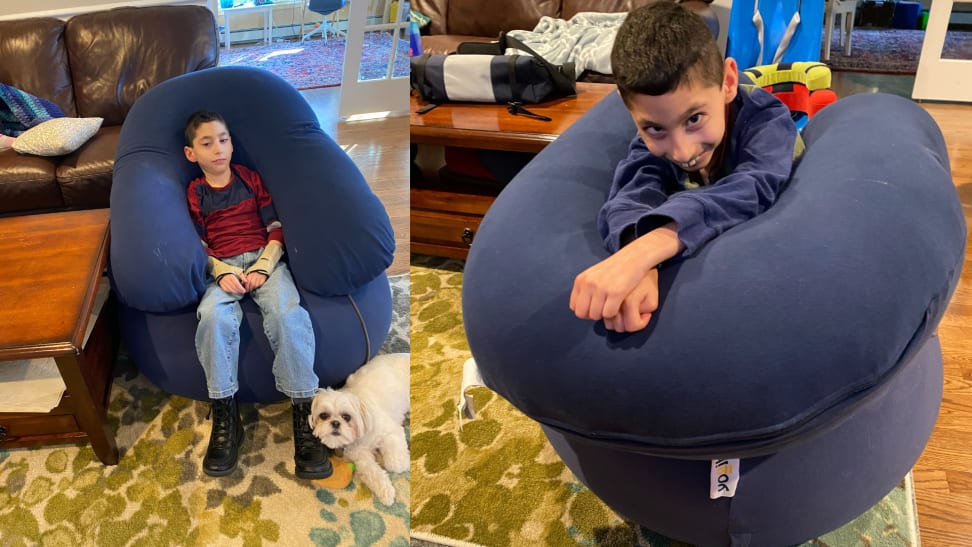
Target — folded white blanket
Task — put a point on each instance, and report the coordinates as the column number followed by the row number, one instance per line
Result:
column 586, row 40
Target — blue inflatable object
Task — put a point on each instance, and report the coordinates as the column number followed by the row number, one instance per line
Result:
column 751, row 20
column 338, row 236
column 801, row 341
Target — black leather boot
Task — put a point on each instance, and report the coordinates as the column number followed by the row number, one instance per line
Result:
column 225, row 438
column 310, row 456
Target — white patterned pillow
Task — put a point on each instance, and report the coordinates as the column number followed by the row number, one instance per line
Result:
column 57, row 137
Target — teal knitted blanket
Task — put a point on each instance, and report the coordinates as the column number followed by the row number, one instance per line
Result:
column 19, row 110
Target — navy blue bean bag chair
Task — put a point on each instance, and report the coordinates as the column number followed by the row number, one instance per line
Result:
column 338, row 236
column 800, row 342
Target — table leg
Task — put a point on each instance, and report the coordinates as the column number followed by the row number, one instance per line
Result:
column 226, row 30
column 89, row 413
column 270, row 25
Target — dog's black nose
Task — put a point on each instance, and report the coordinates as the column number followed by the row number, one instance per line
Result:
column 335, row 424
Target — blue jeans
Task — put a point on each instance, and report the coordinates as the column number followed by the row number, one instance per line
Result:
column 286, row 324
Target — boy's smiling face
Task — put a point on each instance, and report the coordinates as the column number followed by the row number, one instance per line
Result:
column 212, row 149
column 687, row 125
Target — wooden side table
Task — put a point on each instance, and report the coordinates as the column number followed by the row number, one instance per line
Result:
column 56, row 263
column 444, row 222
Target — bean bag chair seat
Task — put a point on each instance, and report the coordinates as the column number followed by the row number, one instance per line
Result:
column 337, row 234
column 800, row 342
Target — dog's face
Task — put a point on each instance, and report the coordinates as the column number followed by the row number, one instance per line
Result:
column 338, row 418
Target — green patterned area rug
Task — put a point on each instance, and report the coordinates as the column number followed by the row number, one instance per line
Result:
column 158, row 494
column 498, row 483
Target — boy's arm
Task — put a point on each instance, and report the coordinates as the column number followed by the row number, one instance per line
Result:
column 195, row 213
column 764, row 155
column 639, row 187
column 273, row 251
column 268, row 213
column 219, row 269
column 268, row 259
column 600, row 290
column 641, row 183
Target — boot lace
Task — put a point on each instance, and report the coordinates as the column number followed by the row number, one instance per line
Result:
column 222, row 434
column 304, row 438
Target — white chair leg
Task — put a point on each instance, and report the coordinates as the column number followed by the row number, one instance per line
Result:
column 311, row 33
column 849, row 29
column 841, row 18
column 829, row 31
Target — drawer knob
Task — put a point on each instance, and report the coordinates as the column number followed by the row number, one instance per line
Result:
column 467, row 236
column 3, row 433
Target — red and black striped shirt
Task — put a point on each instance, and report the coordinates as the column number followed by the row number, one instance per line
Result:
column 236, row 218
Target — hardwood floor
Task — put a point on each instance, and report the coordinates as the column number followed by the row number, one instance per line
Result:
column 943, row 478
column 380, row 150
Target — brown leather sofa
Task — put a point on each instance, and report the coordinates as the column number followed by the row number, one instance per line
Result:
column 455, row 21
column 92, row 65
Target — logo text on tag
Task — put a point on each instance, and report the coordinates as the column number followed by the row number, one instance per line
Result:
column 723, row 478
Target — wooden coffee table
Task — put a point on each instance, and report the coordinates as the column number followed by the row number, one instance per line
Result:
column 444, row 221
column 53, row 265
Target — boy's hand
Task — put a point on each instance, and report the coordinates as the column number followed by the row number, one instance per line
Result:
column 637, row 307
column 255, row 280
column 599, row 290
column 229, row 278
column 232, row 284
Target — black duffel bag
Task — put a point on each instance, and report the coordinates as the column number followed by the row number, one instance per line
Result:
column 480, row 72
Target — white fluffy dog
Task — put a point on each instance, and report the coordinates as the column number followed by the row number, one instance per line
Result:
column 366, row 415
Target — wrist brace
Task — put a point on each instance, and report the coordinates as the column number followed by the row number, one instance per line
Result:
column 218, row 268
column 268, row 259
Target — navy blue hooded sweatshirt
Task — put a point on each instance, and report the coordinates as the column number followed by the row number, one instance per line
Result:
column 649, row 192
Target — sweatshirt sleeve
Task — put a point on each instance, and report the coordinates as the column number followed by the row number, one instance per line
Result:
column 268, row 213
column 762, row 150
column 641, row 183
column 195, row 213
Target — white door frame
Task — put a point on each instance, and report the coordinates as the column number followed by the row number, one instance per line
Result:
column 940, row 79
column 387, row 96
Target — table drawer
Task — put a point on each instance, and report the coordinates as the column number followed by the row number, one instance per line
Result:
column 15, row 427
column 445, row 223
column 445, row 228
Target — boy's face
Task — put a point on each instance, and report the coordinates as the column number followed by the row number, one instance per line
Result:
column 686, row 125
column 211, row 148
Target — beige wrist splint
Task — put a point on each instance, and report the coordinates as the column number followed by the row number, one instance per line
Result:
column 219, row 268
column 268, row 259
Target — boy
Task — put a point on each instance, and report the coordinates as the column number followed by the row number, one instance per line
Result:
column 238, row 226
column 709, row 154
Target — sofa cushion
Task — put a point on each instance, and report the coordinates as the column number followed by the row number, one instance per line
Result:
column 57, row 136
column 447, row 43
column 117, row 55
column 467, row 16
column 573, row 7
column 26, row 45
column 435, row 10
column 27, row 183
column 85, row 176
